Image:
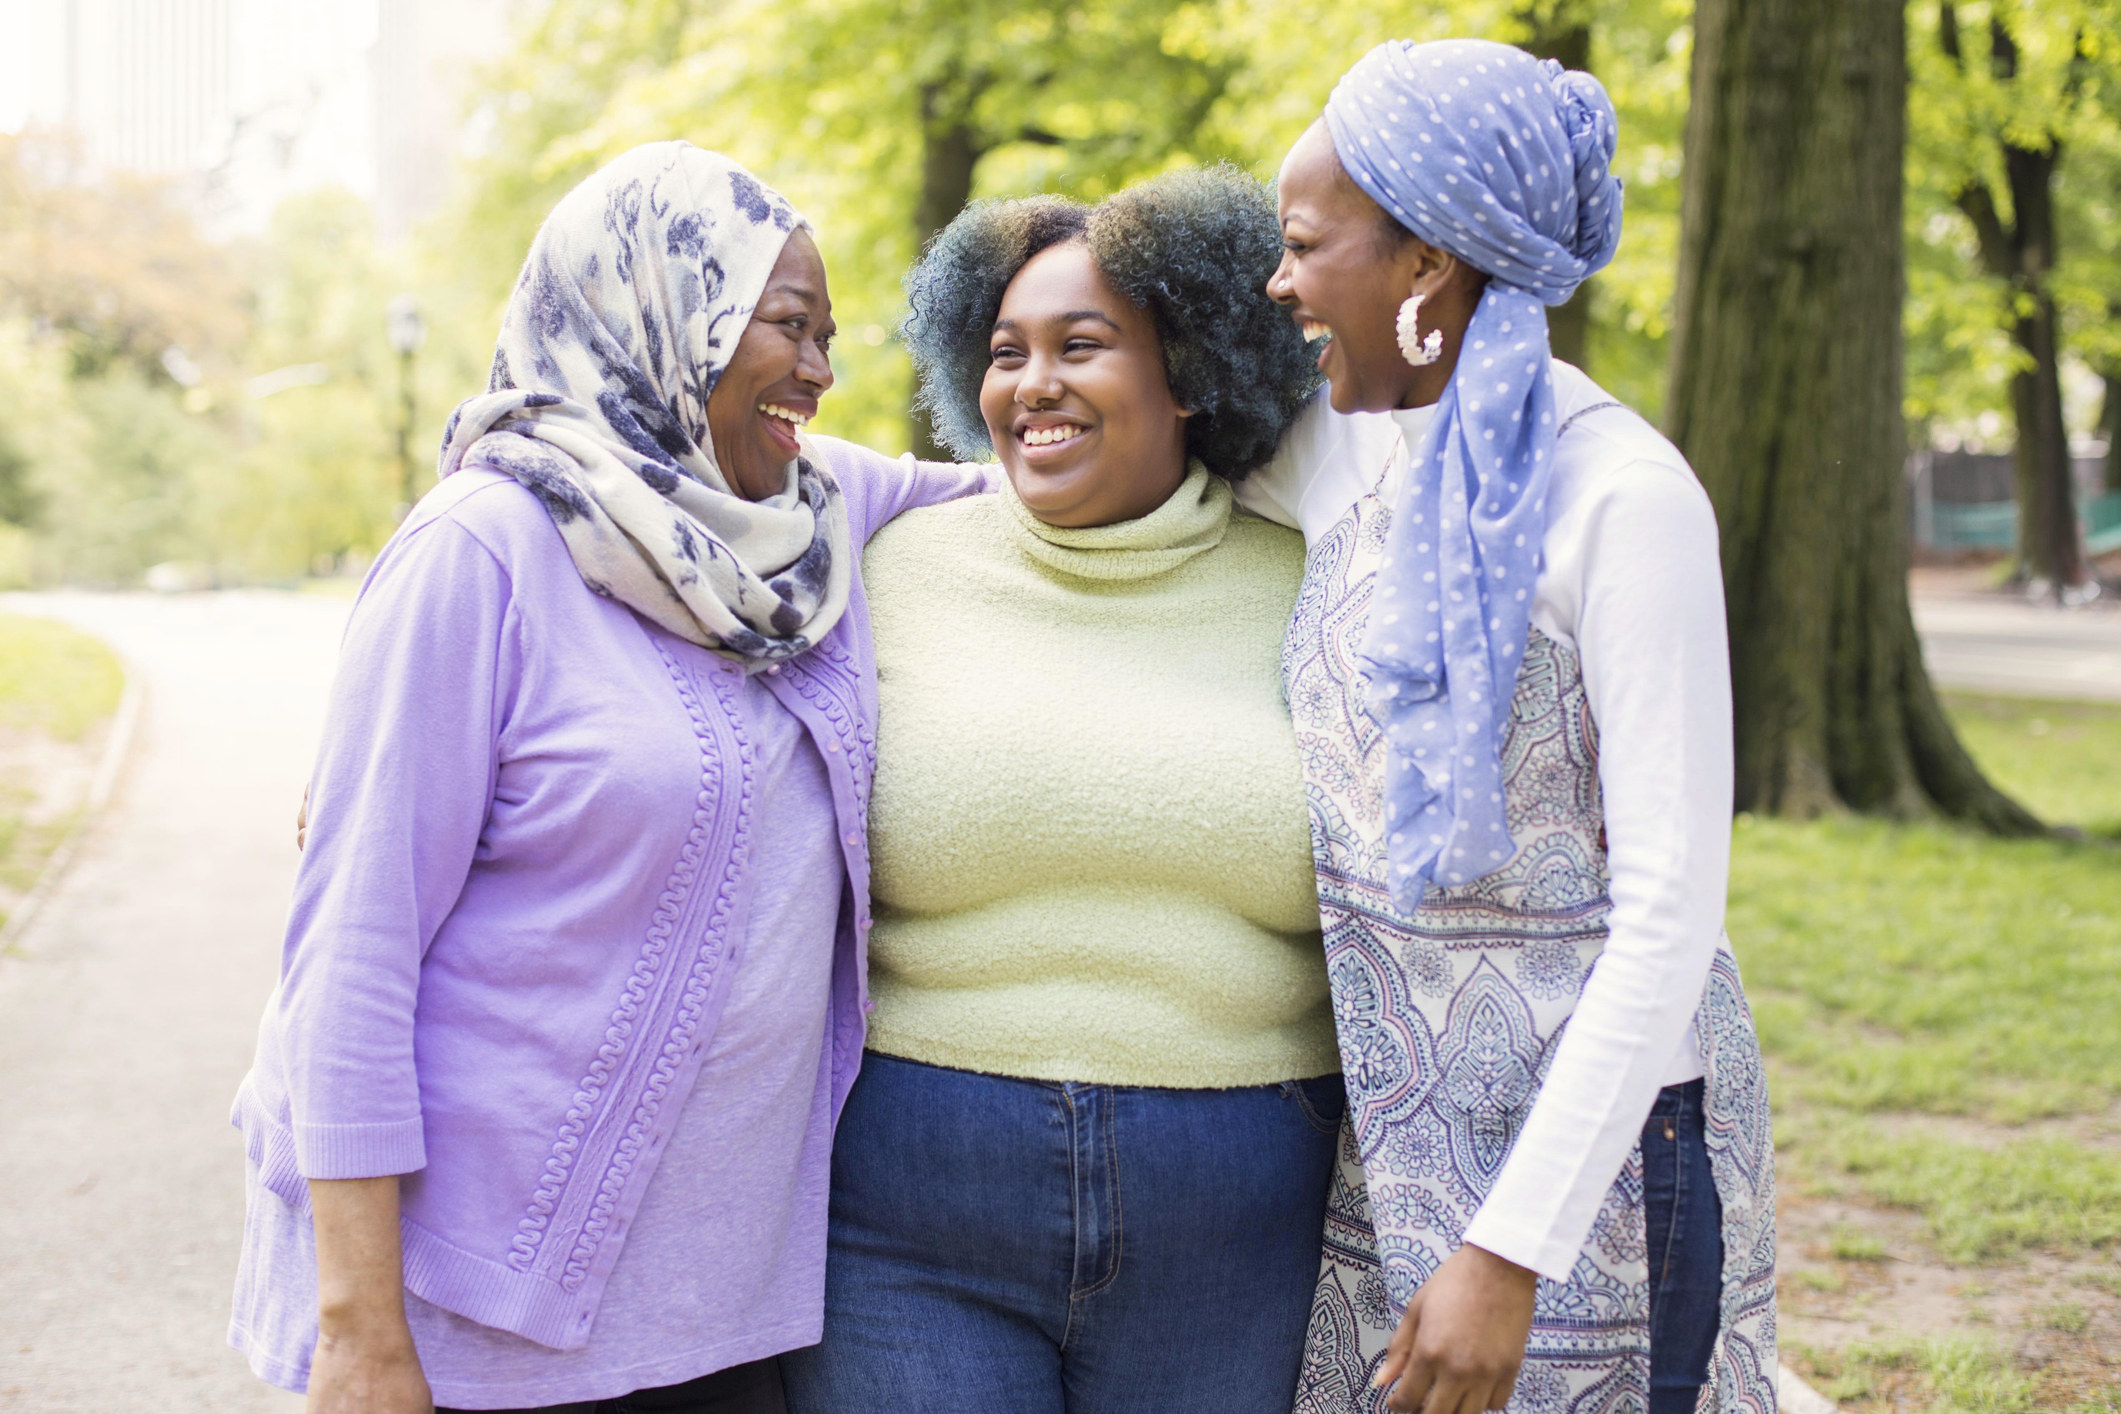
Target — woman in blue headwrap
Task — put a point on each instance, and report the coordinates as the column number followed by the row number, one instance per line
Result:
column 1509, row 678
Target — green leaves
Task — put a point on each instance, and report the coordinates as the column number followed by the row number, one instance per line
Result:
column 1986, row 77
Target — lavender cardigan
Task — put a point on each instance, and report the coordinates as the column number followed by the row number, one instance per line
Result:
column 499, row 980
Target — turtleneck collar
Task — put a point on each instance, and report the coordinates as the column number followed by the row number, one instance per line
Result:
column 1193, row 520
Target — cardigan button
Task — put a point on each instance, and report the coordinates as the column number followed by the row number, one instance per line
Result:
column 773, row 670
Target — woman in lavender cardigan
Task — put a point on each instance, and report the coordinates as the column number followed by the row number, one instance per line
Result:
column 572, row 989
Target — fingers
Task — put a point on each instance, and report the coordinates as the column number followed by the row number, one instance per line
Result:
column 1454, row 1393
column 1415, row 1388
column 1484, row 1395
column 1400, row 1348
column 1439, row 1381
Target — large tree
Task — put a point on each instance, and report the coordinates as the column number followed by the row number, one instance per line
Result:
column 2018, row 241
column 1786, row 385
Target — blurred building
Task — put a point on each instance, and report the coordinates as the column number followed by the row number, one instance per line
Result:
column 150, row 84
column 244, row 101
column 425, row 57
column 249, row 101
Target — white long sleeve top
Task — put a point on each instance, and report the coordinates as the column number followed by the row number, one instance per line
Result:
column 1630, row 577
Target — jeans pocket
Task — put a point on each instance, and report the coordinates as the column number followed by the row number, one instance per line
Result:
column 1321, row 1101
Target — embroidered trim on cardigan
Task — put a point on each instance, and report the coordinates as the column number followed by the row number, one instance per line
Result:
column 852, row 731
column 566, row 1148
column 697, row 985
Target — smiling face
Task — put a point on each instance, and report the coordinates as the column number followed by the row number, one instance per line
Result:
column 774, row 379
column 1345, row 270
column 1076, row 399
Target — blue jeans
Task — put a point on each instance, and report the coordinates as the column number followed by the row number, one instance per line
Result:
column 1684, row 1219
column 1049, row 1248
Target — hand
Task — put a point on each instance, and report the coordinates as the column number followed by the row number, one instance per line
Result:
column 302, row 822
column 368, row 1371
column 1462, row 1340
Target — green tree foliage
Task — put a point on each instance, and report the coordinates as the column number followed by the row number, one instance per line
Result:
column 2014, row 145
column 110, row 303
column 226, row 406
column 312, row 480
column 879, row 119
column 115, row 268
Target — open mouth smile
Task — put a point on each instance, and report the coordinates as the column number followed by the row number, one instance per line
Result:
column 782, row 423
column 1045, row 442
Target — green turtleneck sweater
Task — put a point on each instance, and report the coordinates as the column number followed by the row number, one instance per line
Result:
column 1091, row 853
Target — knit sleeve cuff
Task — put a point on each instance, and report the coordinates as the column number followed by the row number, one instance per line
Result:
column 360, row 1150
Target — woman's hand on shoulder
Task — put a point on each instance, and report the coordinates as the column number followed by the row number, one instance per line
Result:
column 368, row 1371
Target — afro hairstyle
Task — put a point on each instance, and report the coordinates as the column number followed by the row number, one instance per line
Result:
column 1193, row 248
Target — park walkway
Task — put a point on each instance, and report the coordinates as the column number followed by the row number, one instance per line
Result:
column 1980, row 641
column 128, row 1011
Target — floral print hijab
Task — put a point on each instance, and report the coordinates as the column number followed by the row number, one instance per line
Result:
column 636, row 290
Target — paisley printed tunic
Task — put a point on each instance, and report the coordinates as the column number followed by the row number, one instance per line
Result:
column 1449, row 1019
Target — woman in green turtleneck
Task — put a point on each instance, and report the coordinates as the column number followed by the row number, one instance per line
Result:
column 1085, row 1166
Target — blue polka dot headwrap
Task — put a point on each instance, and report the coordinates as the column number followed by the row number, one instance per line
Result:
column 1504, row 161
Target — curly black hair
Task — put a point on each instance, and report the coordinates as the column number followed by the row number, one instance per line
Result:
column 1193, row 248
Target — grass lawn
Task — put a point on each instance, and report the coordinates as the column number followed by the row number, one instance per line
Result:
column 2062, row 759
column 1942, row 1012
column 54, row 679
column 56, row 686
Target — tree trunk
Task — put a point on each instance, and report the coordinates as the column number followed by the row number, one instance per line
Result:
column 2047, row 506
column 950, row 152
column 2110, row 424
column 1561, row 30
column 2022, row 255
column 2048, row 543
column 1786, row 397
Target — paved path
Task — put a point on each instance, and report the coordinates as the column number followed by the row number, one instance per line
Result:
column 1986, row 642
column 127, row 1015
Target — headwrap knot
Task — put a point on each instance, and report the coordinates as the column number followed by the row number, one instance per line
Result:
column 1594, row 133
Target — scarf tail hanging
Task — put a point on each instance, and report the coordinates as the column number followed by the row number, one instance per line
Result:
column 1504, row 161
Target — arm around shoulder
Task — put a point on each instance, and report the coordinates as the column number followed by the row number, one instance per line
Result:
column 878, row 488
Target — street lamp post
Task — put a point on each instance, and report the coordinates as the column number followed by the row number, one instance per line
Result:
column 407, row 332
